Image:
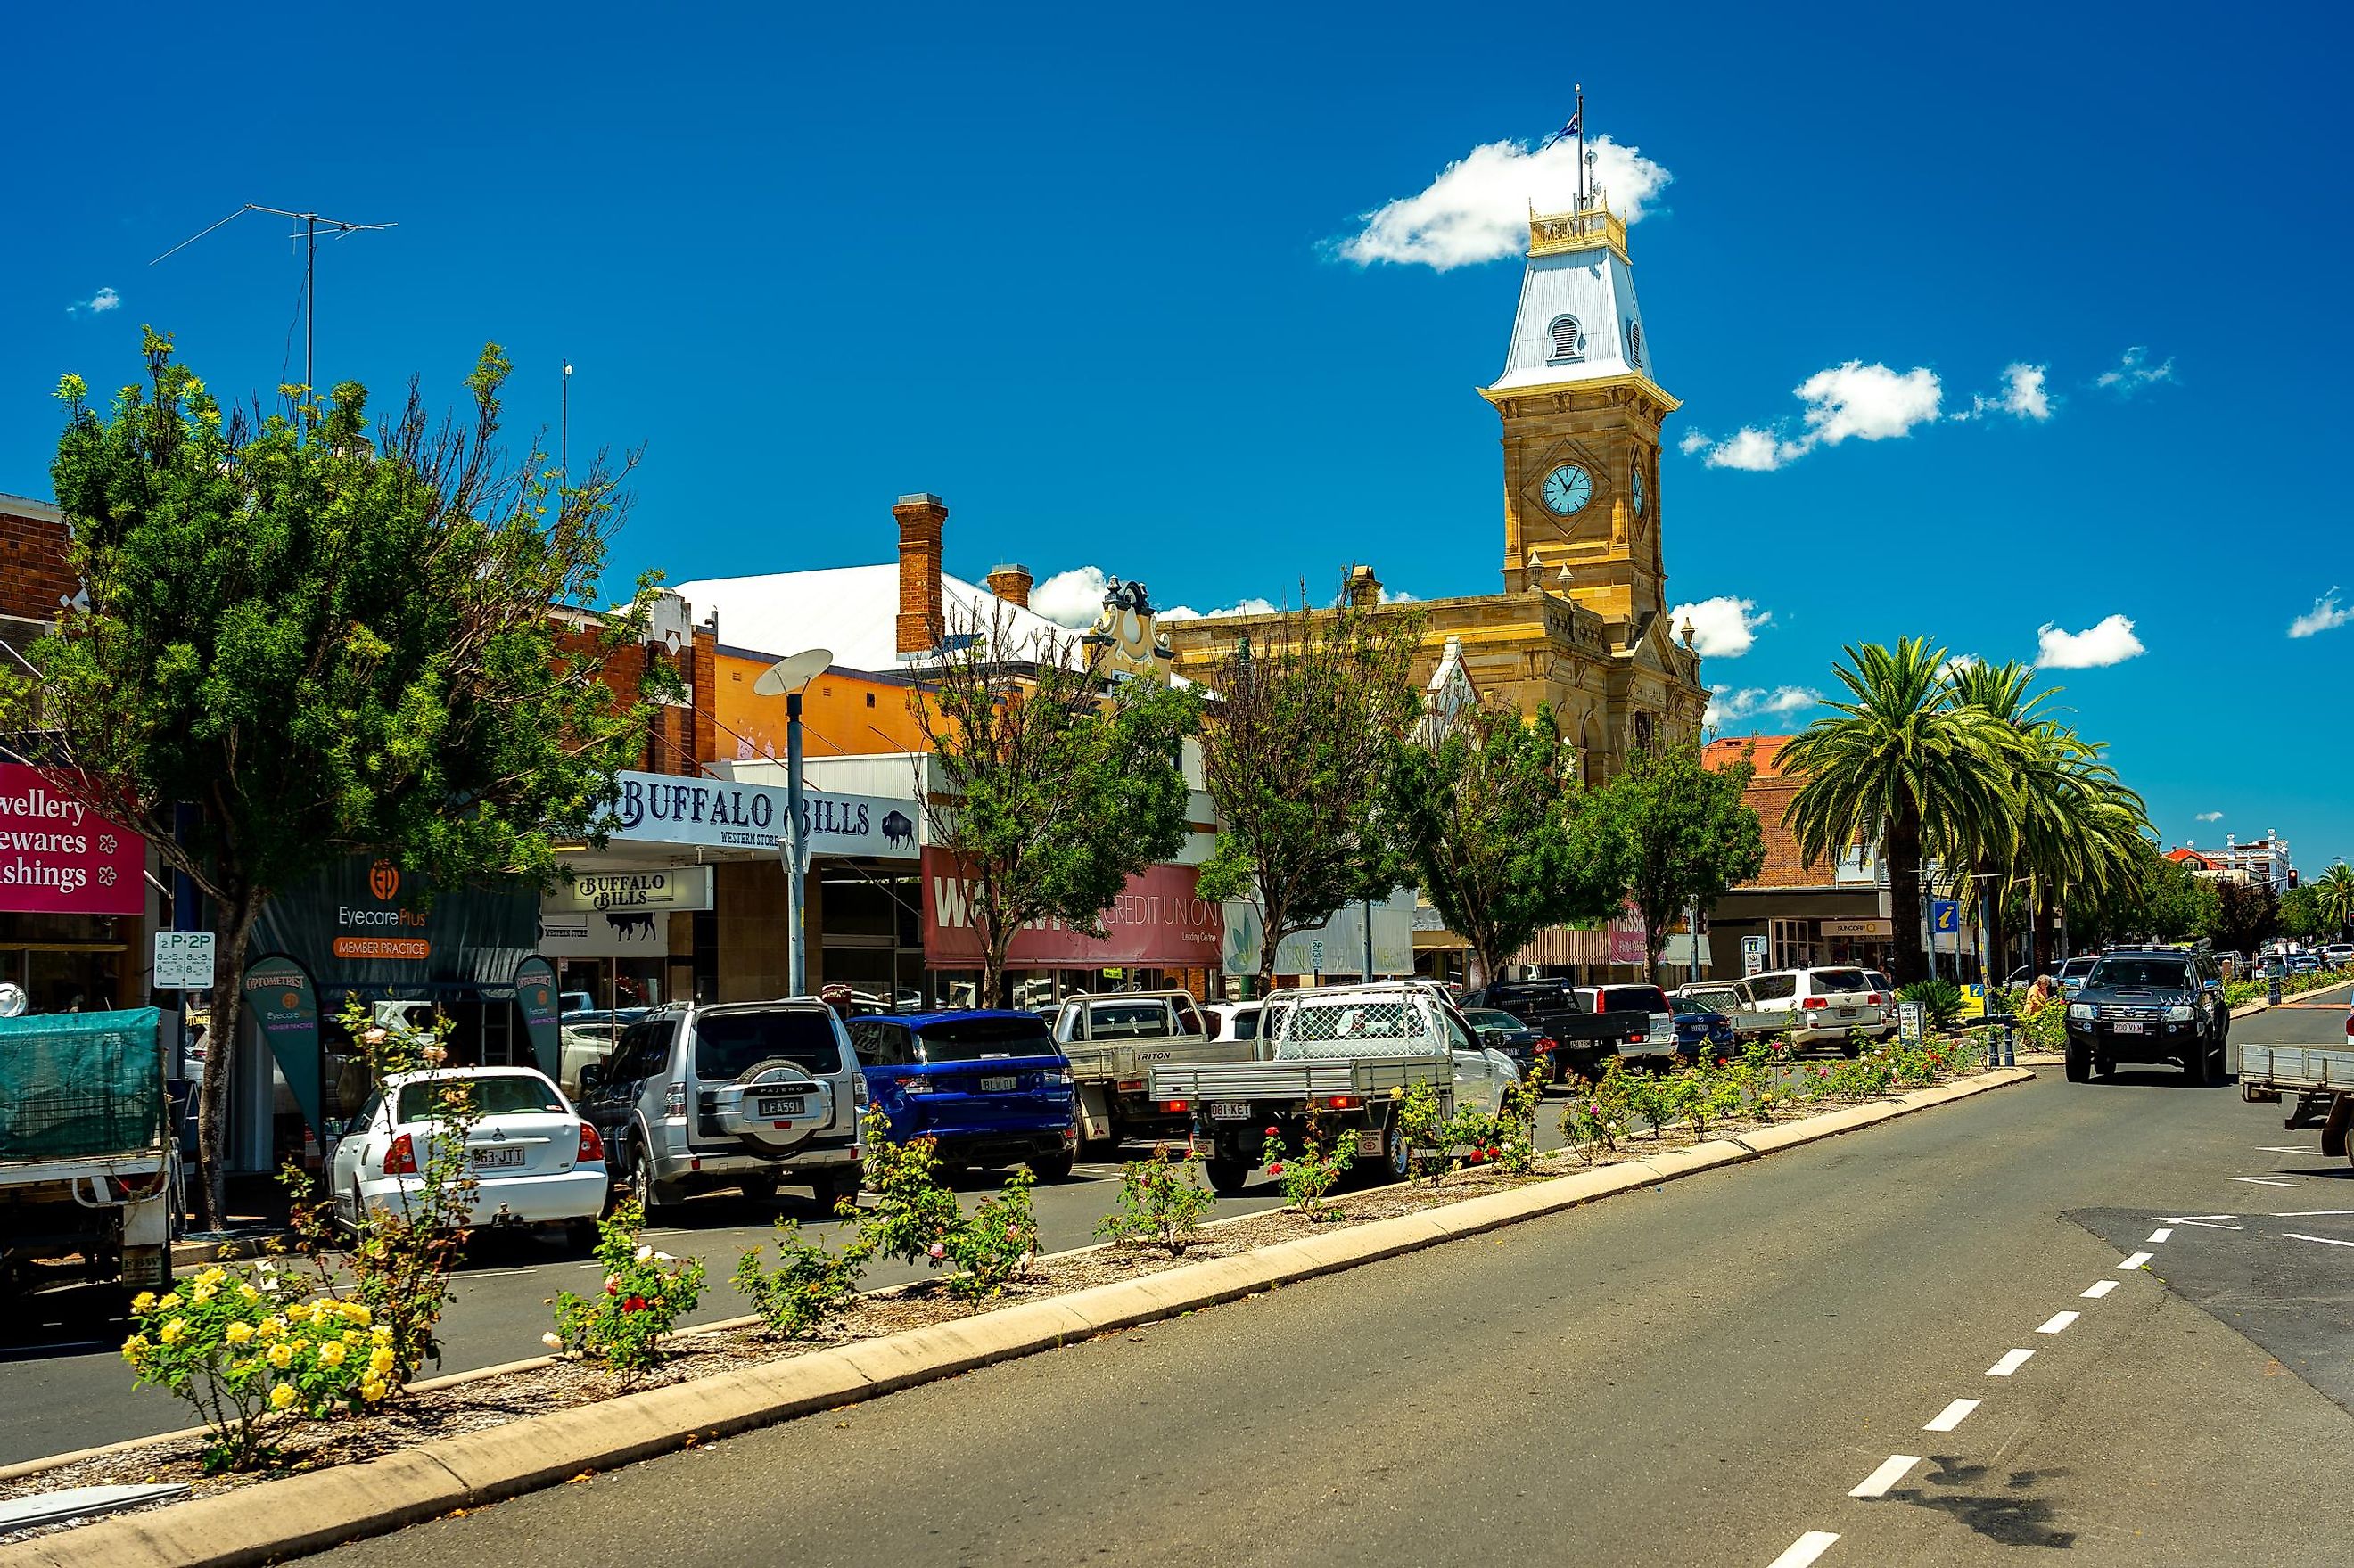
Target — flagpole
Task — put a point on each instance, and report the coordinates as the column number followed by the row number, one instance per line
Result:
column 1581, row 147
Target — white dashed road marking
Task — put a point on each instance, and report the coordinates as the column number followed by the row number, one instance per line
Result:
column 2309, row 1213
column 2325, row 1240
column 2058, row 1321
column 2011, row 1361
column 2135, row 1261
column 2100, row 1288
column 1806, row 1549
column 2263, row 1182
column 2158, row 1236
column 1952, row 1416
column 1891, row 1471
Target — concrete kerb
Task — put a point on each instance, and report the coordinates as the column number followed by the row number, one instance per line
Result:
column 256, row 1525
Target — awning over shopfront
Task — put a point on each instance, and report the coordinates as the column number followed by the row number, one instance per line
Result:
column 364, row 925
column 1158, row 922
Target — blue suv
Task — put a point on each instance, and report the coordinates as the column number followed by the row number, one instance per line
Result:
column 989, row 1087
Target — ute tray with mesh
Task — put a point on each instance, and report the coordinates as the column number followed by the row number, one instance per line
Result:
column 79, row 1086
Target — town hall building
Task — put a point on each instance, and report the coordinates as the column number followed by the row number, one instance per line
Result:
column 1581, row 623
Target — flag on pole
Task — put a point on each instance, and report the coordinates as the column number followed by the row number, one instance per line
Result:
column 1567, row 131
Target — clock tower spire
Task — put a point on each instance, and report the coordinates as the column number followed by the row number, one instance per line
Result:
column 1582, row 413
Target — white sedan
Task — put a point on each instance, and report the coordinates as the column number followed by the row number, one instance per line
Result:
column 535, row 1160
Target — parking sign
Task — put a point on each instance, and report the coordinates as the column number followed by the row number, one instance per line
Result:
column 184, row 960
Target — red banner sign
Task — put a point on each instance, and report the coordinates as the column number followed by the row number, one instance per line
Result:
column 1158, row 921
column 59, row 857
column 1627, row 936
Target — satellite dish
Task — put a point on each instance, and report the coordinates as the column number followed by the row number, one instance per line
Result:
column 792, row 673
column 11, row 999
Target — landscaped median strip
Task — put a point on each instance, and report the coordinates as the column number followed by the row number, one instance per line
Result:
column 305, row 1513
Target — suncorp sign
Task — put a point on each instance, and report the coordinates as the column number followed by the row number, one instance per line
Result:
column 663, row 809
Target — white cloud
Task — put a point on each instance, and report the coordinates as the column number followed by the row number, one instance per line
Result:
column 1722, row 627
column 2135, row 372
column 1957, row 663
column 2326, row 615
column 1694, row 441
column 1241, row 606
column 98, row 304
column 1731, row 706
column 2211, row 816
column 1867, row 402
column 1072, row 598
column 2112, row 641
column 1477, row 209
column 2023, row 396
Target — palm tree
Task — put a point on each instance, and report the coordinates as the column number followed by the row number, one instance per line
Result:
column 1905, row 767
column 2336, row 888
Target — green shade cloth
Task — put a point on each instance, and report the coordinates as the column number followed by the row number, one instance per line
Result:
column 81, row 1086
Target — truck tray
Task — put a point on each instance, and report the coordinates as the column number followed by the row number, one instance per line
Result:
column 2297, row 1067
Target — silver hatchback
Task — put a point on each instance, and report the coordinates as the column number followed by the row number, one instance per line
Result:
column 746, row 1095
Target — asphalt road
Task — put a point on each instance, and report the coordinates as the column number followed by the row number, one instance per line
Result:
column 1944, row 1311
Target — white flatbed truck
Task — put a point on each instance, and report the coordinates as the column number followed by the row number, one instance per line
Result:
column 2321, row 1079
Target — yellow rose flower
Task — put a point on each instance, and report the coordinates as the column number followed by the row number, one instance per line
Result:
column 133, row 1348
column 143, row 1302
column 350, row 1337
column 331, row 1354
column 372, row 1391
column 357, row 1312
column 272, row 1328
column 170, row 1333
column 380, row 1362
column 281, row 1355
column 170, row 1301
column 200, row 1293
column 238, row 1333
column 281, row 1396
column 246, row 1293
column 213, row 1275
column 299, row 1313
column 380, row 1335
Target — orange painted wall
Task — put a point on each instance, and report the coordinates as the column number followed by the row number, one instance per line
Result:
column 842, row 714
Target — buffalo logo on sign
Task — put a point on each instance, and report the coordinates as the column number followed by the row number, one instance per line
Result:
column 384, row 880
column 898, row 828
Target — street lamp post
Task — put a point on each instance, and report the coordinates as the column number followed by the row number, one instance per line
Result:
column 785, row 678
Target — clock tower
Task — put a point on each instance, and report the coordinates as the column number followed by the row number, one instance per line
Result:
column 1582, row 415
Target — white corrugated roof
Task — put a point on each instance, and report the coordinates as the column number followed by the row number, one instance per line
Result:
column 853, row 610
column 1596, row 288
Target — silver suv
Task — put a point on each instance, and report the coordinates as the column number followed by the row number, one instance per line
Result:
column 745, row 1095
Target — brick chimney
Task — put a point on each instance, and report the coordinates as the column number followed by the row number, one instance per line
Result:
column 921, row 517
column 1364, row 589
column 1010, row 583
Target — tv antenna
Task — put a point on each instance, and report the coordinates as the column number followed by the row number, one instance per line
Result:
column 312, row 223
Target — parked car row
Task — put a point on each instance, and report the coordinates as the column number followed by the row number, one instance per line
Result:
column 1835, row 1005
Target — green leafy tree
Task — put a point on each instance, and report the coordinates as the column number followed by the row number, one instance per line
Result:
column 1671, row 834
column 1051, row 787
column 2157, row 899
column 2305, row 916
column 348, row 642
column 2335, row 893
column 1295, row 749
column 1900, row 766
column 1483, row 809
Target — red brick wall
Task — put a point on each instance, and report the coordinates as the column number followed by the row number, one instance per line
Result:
column 32, row 571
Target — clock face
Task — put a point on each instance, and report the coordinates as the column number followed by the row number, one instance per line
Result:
column 1639, row 493
column 1567, row 489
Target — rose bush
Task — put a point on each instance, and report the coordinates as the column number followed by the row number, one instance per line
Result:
column 255, row 1354
column 1161, row 1202
column 643, row 1295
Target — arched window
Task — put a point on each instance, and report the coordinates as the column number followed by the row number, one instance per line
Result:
column 1635, row 343
column 1568, row 342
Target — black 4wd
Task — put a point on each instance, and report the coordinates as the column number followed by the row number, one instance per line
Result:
column 2149, row 1005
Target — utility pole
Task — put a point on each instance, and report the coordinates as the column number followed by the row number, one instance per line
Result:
column 309, row 236
column 564, row 430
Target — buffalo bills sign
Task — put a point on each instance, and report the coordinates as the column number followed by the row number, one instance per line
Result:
column 663, row 809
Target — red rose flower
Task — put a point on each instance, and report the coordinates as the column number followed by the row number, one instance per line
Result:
column 1275, row 1169
column 634, row 1304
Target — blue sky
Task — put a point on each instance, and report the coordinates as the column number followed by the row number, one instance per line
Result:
column 1087, row 275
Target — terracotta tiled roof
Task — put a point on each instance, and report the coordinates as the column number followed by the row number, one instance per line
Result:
column 1764, row 752
column 1769, row 794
